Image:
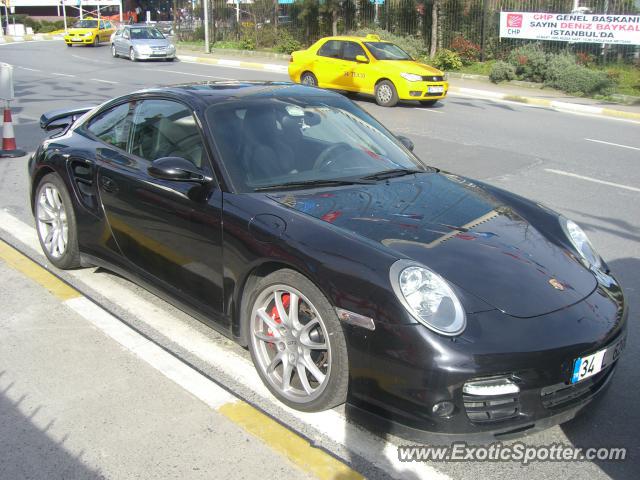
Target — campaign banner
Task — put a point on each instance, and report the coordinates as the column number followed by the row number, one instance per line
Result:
column 572, row 27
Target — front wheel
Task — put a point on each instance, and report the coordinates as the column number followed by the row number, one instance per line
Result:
column 96, row 41
column 428, row 103
column 69, row 45
column 114, row 54
column 56, row 222
column 132, row 55
column 309, row 79
column 296, row 342
column 386, row 94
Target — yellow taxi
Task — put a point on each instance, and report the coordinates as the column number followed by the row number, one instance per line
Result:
column 89, row 31
column 368, row 65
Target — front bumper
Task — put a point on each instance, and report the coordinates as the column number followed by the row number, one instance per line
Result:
column 155, row 55
column 421, row 90
column 399, row 372
column 79, row 40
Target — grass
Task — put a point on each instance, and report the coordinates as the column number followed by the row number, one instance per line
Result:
column 478, row 68
column 626, row 76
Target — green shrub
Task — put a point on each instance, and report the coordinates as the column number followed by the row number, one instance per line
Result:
column 530, row 62
column 447, row 60
column 247, row 43
column 565, row 74
column 502, row 71
column 286, row 43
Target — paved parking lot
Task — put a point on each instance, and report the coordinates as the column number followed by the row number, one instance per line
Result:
column 91, row 407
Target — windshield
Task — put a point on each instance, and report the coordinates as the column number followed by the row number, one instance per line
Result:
column 270, row 142
column 145, row 33
column 86, row 24
column 387, row 51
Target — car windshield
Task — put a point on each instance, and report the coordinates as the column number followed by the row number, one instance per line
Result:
column 86, row 24
column 272, row 143
column 387, row 51
column 145, row 33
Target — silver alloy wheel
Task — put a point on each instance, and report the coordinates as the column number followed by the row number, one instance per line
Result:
column 385, row 94
column 51, row 218
column 309, row 80
column 291, row 343
column 113, row 51
column 132, row 55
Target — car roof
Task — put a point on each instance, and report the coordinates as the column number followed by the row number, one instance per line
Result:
column 353, row 38
column 208, row 93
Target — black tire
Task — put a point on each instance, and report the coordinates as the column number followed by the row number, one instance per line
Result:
column 170, row 59
column 96, row 41
column 428, row 103
column 114, row 54
column 386, row 94
column 334, row 391
column 132, row 55
column 69, row 45
column 309, row 79
column 71, row 257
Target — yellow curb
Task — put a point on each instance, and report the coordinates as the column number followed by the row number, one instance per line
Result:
column 620, row 114
column 528, row 100
column 284, row 441
column 16, row 260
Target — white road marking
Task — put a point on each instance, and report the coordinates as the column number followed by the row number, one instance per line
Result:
column 430, row 110
column 591, row 179
column 283, row 73
column 612, row 144
column 331, row 423
column 193, row 74
column 29, row 69
column 87, row 59
column 63, row 74
column 104, row 81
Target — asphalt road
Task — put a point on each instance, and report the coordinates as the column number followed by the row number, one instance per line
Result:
column 585, row 167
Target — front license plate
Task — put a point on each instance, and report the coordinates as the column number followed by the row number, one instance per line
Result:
column 436, row 89
column 589, row 365
column 76, row 39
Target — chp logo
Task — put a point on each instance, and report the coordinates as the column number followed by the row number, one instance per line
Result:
column 514, row 23
column 514, row 20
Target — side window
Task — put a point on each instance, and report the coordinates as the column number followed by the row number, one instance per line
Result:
column 333, row 49
column 164, row 128
column 113, row 126
column 352, row 50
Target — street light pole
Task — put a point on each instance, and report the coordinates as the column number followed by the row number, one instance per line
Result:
column 205, row 6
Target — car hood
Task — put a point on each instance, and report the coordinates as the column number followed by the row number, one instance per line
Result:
column 152, row 42
column 82, row 30
column 409, row 66
column 460, row 231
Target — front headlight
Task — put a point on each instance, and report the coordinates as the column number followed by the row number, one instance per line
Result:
column 412, row 77
column 427, row 297
column 581, row 243
column 88, row 34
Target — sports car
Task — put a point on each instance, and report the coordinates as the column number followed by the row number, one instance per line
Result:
column 370, row 66
column 292, row 221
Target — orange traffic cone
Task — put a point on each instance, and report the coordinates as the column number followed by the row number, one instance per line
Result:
column 9, row 147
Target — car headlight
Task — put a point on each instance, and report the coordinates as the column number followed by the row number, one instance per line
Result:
column 581, row 243
column 427, row 297
column 412, row 77
column 88, row 34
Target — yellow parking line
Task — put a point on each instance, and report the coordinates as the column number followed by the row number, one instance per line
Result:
column 32, row 270
column 295, row 448
column 282, row 440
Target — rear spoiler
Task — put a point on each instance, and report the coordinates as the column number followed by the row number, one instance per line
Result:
column 61, row 118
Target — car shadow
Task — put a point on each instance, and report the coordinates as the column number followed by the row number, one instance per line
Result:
column 614, row 418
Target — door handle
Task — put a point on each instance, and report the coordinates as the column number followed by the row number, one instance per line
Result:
column 108, row 185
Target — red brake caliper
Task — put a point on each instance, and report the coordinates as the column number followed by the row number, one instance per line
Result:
column 274, row 313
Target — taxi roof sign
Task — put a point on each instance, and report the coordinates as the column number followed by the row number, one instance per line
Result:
column 373, row 37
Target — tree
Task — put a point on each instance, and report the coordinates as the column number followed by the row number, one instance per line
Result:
column 331, row 8
column 434, row 28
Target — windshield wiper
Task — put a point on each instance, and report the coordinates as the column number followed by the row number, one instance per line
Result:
column 395, row 172
column 313, row 183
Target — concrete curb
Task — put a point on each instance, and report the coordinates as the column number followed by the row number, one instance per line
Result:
column 554, row 104
column 267, row 67
column 29, row 38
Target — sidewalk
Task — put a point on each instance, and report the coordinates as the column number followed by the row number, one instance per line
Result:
column 465, row 86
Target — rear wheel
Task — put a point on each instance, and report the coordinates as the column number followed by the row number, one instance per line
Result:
column 428, row 103
column 386, row 94
column 56, row 222
column 297, row 343
column 309, row 79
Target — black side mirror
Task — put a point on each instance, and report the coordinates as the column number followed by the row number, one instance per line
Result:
column 406, row 142
column 177, row 169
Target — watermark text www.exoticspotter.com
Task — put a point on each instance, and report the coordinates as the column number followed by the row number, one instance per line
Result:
column 512, row 452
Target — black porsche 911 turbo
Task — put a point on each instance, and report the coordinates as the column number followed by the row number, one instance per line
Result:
column 292, row 221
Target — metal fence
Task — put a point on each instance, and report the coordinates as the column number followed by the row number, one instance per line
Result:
column 264, row 23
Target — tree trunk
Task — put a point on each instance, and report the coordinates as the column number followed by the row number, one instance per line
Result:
column 434, row 29
column 334, row 21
